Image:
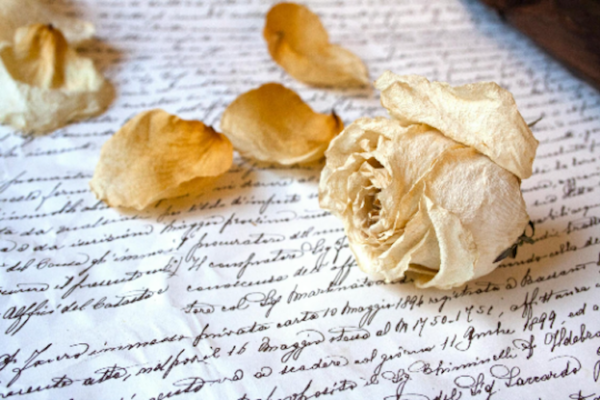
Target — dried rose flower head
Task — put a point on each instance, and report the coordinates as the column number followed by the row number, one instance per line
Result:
column 273, row 124
column 434, row 192
column 45, row 83
column 17, row 13
column 300, row 44
column 156, row 156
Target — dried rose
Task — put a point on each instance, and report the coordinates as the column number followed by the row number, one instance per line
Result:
column 433, row 193
column 45, row 83
column 156, row 156
column 17, row 13
column 273, row 124
column 299, row 43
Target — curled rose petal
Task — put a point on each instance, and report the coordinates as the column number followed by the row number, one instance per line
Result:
column 273, row 124
column 418, row 202
column 299, row 43
column 481, row 115
column 157, row 155
column 46, row 84
column 17, row 13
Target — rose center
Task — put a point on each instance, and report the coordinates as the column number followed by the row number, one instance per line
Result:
column 372, row 203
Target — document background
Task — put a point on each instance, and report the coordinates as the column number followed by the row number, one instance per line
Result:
column 249, row 291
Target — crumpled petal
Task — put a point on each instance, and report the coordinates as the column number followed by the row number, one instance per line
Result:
column 157, row 155
column 273, row 124
column 436, row 250
column 299, row 43
column 416, row 202
column 46, row 84
column 17, row 13
column 481, row 115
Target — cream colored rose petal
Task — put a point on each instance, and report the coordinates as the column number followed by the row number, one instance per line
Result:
column 418, row 237
column 46, row 84
column 299, row 43
column 457, row 249
column 17, row 13
column 486, row 199
column 157, row 155
column 273, row 124
column 481, row 115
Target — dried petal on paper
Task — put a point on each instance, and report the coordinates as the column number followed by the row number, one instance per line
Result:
column 273, row 124
column 46, row 84
column 17, row 13
column 481, row 115
column 421, row 202
column 157, row 155
column 299, row 43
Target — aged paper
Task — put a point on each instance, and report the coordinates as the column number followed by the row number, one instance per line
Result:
column 249, row 291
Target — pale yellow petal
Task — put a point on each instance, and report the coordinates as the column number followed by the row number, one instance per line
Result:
column 273, row 124
column 157, row 155
column 299, row 43
column 46, row 84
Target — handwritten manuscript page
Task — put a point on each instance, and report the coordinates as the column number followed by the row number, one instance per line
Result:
column 249, row 291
